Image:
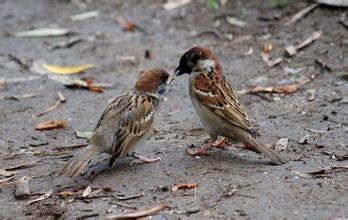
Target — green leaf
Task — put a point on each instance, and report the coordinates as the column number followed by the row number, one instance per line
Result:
column 213, row 4
column 84, row 134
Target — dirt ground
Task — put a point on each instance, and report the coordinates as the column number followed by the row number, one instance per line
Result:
column 234, row 183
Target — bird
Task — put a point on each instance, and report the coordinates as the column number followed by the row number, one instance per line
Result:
column 126, row 121
column 217, row 105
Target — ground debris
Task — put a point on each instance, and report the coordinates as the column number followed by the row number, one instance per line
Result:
column 301, row 14
column 85, row 15
column 128, row 197
column 337, row 3
column 173, row 4
column 54, row 124
column 304, row 139
column 66, row 43
column 43, row 32
column 139, row 214
column 21, row 165
column 43, row 197
column 292, row 50
column 267, row 59
column 5, row 173
column 185, row 186
column 235, row 21
column 65, row 70
column 281, row 144
column 320, row 173
column 6, row 180
column 310, row 93
column 22, row 190
column 19, row 97
column 87, row 191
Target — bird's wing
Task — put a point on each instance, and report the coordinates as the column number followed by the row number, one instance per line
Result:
column 134, row 123
column 217, row 95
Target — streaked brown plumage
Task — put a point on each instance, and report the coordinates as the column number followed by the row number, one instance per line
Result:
column 216, row 103
column 125, row 121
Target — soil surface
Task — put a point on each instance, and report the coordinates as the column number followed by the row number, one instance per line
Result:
column 235, row 183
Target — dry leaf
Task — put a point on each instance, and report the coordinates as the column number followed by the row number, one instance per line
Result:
column 5, row 173
column 138, row 214
column 87, row 191
column 281, row 144
column 6, row 180
column 319, row 173
column 235, row 21
column 64, row 70
column 184, row 186
column 286, row 89
column 47, row 195
column 55, row 124
column 173, row 4
column 22, row 165
column 267, row 48
column 339, row 3
column 44, row 32
column 126, row 25
column 83, row 16
column 65, row 194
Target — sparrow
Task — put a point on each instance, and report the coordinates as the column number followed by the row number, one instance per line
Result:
column 216, row 103
column 127, row 119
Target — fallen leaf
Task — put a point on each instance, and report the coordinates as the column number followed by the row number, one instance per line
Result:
column 84, row 134
column 55, row 124
column 138, row 214
column 184, row 186
column 5, row 173
column 267, row 48
column 18, row 97
column 44, row 32
column 64, row 70
column 173, row 4
column 320, row 173
column 286, row 89
column 47, row 195
column 65, row 194
column 83, row 16
column 338, row 3
column 235, row 21
column 126, row 25
column 6, row 179
column 281, row 144
column 87, row 191
column 22, row 165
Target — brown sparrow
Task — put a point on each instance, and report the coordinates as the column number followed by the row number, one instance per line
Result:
column 216, row 103
column 125, row 121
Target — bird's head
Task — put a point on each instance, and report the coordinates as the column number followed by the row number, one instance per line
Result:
column 195, row 59
column 152, row 81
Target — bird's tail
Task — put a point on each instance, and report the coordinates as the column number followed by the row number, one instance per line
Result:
column 261, row 147
column 76, row 164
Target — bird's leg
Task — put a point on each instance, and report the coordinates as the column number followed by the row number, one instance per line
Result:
column 142, row 159
column 222, row 144
column 202, row 150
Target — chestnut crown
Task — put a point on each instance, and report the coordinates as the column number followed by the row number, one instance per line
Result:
column 152, row 80
column 196, row 58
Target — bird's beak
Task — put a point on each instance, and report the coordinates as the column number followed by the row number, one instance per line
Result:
column 172, row 77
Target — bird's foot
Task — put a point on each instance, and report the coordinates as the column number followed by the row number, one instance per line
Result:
column 199, row 151
column 221, row 144
column 141, row 159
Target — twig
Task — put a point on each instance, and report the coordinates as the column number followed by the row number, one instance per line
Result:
column 122, row 204
column 301, row 13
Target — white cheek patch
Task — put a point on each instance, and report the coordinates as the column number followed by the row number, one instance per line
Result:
column 208, row 65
